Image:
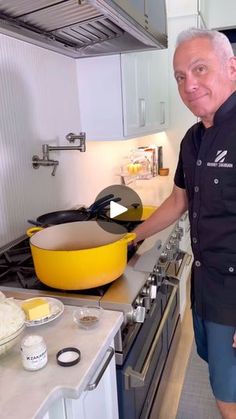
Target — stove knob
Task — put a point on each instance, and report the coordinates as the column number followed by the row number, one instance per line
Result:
column 175, row 239
column 139, row 301
column 153, row 292
column 179, row 231
column 163, row 257
column 152, row 282
column 152, row 278
column 139, row 314
column 174, row 242
column 145, row 291
column 144, row 300
column 170, row 251
column 160, row 274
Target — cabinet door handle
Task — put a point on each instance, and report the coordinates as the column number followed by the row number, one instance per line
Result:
column 162, row 113
column 145, row 9
column 93, row 385
column 142, row 112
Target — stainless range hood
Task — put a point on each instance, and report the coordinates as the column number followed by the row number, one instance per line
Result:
column 80, row 28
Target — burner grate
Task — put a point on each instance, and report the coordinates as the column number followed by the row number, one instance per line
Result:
column 16, row 265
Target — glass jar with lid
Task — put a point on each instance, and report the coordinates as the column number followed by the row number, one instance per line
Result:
column 33, row 352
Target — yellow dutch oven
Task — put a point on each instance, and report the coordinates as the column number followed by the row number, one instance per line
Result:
column 78, row 255
column 148, row 210
column 137, row 214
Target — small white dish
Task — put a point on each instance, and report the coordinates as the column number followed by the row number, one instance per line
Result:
column 87, row 317
column 56, row 309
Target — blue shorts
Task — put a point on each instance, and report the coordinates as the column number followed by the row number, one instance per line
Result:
column 214, row 345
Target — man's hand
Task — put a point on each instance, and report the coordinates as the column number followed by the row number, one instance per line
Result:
column 234, row 340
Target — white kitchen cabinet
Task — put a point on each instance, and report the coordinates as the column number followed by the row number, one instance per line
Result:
column 100, row 401
column 122, row 96
column 181, row 8
column 57, row 410
column 218, row 14
column 145, row 93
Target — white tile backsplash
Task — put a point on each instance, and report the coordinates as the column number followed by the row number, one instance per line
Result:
column 38, row 105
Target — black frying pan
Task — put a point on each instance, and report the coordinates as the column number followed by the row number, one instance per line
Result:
column 81, row 214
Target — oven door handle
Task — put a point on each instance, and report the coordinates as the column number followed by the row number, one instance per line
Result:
column 135, row 378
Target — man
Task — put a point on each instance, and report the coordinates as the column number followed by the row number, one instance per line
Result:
column 205, row 184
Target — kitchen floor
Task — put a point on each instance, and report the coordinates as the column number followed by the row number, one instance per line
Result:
column 175, row 382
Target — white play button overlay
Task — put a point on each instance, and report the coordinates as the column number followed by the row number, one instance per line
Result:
column 117, row 218
column 116, row 209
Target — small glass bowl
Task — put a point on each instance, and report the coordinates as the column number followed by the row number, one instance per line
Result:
column 87, row 317
column 10, row 341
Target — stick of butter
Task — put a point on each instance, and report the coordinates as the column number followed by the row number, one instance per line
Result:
column 36, row 308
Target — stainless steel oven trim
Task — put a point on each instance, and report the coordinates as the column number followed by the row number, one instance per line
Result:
column 188, row 259
column 185, row 261
column 135, row 378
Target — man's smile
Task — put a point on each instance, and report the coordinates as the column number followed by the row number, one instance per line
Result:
column 192, row 99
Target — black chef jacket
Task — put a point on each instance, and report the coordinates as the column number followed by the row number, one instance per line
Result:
column 207, row 170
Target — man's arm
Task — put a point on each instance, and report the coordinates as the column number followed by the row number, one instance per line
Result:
column 168, row 212
column 234, row 340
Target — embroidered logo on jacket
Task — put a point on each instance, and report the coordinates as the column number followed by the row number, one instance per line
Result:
column 220, row 156
column 219, row 160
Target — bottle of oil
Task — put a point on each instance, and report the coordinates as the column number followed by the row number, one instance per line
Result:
column 160, row 158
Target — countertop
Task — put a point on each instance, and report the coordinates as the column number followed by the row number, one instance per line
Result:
column 153, row 191
column 29, row 394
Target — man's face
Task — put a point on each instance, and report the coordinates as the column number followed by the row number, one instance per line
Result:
column 204, row 80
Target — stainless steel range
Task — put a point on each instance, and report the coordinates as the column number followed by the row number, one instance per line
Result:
column 148, row 295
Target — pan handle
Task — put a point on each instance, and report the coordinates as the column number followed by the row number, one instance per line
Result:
column 129, row 237
column 103, row 205
column 99, row 201
column 34, row 223
column 33, row 230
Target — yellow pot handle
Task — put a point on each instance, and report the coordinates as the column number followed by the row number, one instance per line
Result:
column 129, row 237
column 33, row 230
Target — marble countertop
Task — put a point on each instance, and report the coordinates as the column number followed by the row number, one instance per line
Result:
column 29, row 394
column 153, row 191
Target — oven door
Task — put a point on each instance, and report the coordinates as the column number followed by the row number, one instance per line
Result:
column 139, row 378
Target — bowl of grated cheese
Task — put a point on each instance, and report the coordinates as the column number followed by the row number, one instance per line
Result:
column 12, row 323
